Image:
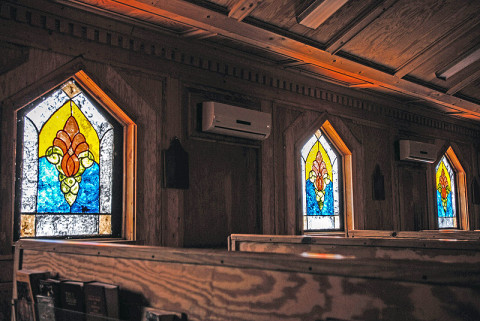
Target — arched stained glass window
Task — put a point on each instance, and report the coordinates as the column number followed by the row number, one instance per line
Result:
column 446, row 194
column 69, row 166
column 321, row 184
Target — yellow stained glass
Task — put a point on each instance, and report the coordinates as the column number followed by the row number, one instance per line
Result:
column 105, row 226
column 27, row 226
column 441, row 168
column 313, row 154
column 56, row 122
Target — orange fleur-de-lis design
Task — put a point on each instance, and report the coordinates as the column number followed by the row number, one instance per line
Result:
column 443, row 188
column 444, row 184
column 72, row 143
column 320, row 169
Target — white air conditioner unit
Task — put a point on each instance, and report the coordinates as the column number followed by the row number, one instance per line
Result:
column 235, row 121
column 417, row 151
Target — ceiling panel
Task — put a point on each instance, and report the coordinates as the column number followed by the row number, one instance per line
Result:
column 407, row 28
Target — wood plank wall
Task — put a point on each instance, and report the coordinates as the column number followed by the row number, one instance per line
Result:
column 236, row 186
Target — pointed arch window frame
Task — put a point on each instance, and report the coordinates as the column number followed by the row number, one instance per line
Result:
column 128, row 229
column 460, row 191
column 346, row 195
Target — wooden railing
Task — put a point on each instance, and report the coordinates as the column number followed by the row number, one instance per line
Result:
column 221, row 285
column 386, row 246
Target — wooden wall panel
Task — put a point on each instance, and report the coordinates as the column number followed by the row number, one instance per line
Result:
column 413, row 204
column 153, row 86
column 172, row 123
column 267, row 175
column 282, row 118
column 379, row 148
column 224, row 196
column 147, row 99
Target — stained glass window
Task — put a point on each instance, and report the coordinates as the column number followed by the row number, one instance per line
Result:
column 445, row 186
column 321, row 184
column 68, row 164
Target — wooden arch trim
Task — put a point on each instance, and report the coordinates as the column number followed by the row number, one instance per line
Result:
column 461, row 181
column 347, row 164
column 345, row 145
column 129, row 150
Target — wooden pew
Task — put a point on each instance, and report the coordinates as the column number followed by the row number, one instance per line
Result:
column 222, row 285
column 439, row 250
column 424, row 235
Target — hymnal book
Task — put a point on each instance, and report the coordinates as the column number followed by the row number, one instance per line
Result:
column 101, row 300
column 50, row 290
column 24, row 310
column 153, row 314
column 31, row 278
column 72, row 298
column 46, row 308
column 27, row 282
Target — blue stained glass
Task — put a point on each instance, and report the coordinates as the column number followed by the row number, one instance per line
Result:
column 321, row 180
column 67, row 167
column 441, row 211
column 87, row 199
column 312, row 204
column 52, row 200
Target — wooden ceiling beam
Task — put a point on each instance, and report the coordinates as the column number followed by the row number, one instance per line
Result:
column 464, row 82
column 292, row 63
column 198, row 34
column 365, row 18
column 242, row 8
column 432, row 50
column 203, row 18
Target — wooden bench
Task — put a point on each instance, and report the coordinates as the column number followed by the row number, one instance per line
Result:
column 423, row 235
column 439, row 250
column 221, row 285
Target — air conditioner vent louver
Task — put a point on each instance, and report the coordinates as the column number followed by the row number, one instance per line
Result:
column 235, row 121
column 417, row 151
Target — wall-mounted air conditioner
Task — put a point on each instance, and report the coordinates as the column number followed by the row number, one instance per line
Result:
column 417, row 151
column 235, row 121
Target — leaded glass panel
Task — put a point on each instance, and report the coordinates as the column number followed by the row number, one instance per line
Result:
column 445, row 186
column 69, row 156
column 321, row 184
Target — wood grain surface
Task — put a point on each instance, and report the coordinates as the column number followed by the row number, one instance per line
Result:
column 216, row 285
column 365, row 248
